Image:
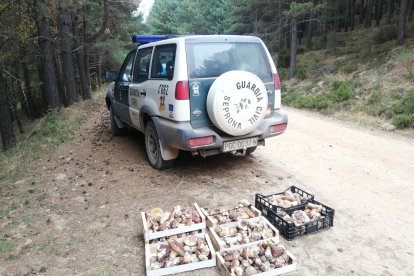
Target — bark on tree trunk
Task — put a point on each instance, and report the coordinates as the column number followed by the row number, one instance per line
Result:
column 46, row 56
column 11, row 100
column 368, row 16
column 352, row 7
column 347, row 15
column 31, row 110
column 8, row 138
column 80, row 58
column 293, row 47
column 390, row 10
column 66, row 55
column 362, row 12
column 402, row 21
column 410, row 9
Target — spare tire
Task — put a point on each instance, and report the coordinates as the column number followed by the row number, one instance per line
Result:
column 236, row 102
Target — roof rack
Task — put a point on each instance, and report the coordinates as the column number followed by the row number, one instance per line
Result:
column 144, row 39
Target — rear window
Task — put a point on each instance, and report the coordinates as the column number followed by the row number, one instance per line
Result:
column 209, row 60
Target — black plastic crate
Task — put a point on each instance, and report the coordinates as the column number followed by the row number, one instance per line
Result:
column 262, row 203
column 290, row 231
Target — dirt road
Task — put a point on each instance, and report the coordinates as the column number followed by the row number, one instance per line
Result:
column 86, row 199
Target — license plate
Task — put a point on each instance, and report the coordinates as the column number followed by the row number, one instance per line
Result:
column 239, row 144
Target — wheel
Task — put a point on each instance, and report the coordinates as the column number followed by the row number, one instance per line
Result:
column 250, row 150
column 153, row 148
column 236, row 102
column 114, row 127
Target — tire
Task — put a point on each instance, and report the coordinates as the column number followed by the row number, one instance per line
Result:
column 236, row 102
column 250, row 150
column 116, row 131
column 153, row 148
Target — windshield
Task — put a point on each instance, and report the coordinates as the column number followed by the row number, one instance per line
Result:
column 210, row 60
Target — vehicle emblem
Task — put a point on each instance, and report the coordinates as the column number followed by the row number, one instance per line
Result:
column 244, row 104
column 196, row 88
column 197, row 112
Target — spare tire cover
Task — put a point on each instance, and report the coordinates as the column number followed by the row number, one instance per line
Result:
column 236, row 102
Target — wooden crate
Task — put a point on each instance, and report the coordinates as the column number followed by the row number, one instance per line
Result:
column 211, row 223
column 220, row 245
column 292, row 266
column 150, row 235
column 150, row 249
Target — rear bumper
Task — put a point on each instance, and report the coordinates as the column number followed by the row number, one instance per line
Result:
column 176, row 134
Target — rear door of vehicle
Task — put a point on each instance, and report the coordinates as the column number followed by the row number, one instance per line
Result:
column 121, row 90
column 138, row 92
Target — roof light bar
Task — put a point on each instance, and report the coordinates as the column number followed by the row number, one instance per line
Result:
column 144, row 39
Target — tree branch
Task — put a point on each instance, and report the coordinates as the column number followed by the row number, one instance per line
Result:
column 103, row 26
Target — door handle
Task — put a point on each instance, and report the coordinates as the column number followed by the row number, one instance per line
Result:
column 143, row 93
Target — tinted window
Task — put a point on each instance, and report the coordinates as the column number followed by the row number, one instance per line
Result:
column 163, row 61
column 213, row 59
column 142, row 64
column 125, row 74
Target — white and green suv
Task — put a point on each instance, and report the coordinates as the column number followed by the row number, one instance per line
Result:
column 204, row 94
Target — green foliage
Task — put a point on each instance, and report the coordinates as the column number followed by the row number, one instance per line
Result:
column 188, row 17
column 403, row 121
column 317, row 102
column 385, row 34
column 301, row 72
column 283, row 58
column 406, row 58
column 6, row 245
column 341, row 91
column 296, row 100
column 297, row 8
column 402, row 106
column 350, row 67
column 54, row 130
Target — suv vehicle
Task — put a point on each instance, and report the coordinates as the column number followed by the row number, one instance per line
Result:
column 205, row 94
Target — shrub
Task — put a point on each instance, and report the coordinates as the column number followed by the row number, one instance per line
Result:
column 350, row 67
column 283, row 58
column 289, row 97
column 318, row 102
column 403, row 121
column 402, row 106
column 406, row 58
column 385, row 34
column 301, row 72
column 341, row 91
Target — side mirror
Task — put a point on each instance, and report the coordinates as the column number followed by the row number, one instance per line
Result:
column 110, row 75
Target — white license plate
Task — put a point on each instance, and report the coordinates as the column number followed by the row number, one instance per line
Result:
column 239, row 144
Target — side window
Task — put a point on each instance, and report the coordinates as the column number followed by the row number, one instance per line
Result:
column 163, row 62
column 141, row 65
column 125, row 74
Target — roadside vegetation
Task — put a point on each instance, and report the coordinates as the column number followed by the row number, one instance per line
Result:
column 367, row 79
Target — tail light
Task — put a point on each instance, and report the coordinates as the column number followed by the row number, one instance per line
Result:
column 278, row 128
column 276, row 80
column 201, row 141
column 182, row 91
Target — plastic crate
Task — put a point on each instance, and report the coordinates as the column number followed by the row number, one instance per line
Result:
column 262, row 203
column 290, row 231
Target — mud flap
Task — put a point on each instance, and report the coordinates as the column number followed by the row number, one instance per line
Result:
column 169, row 153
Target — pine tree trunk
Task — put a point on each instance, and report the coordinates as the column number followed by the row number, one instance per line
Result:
column 309, row 26
column 352, row 7
column 368, row 16
column 30, row 105
column 402, row 22
column 46, row 56
column 80, row 58
column 293, row 47
column 410, row 9
column 8, row 138
column 347, row 15
column 66, row 55
column 390, row 10
column 377, row 19
column 362, row 12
